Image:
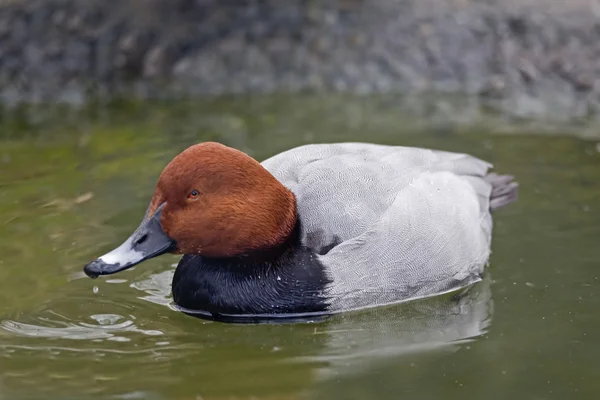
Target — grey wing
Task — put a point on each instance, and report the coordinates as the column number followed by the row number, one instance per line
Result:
column 391, row 223
column 342, row 188
column 422, row 245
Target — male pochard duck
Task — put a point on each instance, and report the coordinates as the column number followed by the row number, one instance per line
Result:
column 316, row 229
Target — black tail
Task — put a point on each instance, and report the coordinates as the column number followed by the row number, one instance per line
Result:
column 504, row 190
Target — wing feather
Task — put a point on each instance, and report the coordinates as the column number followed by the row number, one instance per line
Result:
column 390, row 222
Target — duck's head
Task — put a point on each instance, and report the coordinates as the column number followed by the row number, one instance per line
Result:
column 210, row 200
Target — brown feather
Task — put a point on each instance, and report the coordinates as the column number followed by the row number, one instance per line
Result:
column 241, row 209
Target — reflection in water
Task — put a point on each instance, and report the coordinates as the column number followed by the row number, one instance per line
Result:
column 107, row 327
column 353, row 340
column 357, row 340
column 351, row 344
column 157, row 287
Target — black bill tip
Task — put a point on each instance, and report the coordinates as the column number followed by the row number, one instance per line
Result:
column 99, row 267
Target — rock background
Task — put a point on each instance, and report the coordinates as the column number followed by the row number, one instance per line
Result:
column 536, row 58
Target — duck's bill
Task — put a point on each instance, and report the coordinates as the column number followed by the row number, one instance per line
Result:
column 149, row 240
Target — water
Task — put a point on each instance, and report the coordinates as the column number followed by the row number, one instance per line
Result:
column 74, row 184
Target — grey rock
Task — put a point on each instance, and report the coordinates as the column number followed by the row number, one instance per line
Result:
column 535, row 58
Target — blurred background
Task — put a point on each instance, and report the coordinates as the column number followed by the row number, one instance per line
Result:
column 97, row 96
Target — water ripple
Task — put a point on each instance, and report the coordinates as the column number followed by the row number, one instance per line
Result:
column 107, row 327
column 157, row 287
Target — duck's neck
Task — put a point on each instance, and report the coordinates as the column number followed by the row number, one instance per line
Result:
column 288, row 279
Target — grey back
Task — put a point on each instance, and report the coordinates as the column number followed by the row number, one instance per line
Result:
column 390, row 223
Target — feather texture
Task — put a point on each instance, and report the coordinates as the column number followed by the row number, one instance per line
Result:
column 389, row 223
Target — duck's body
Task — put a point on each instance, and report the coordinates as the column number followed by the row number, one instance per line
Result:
column 367, row 225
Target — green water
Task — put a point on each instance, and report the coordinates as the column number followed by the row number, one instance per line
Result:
column 73, row 184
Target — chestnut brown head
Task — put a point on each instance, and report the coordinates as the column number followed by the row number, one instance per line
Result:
column 210, row 200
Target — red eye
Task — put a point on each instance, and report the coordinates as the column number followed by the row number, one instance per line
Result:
column 193, row 195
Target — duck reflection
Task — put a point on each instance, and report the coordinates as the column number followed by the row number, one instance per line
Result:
column 356, row 340
column 350, row 342
column 173, row 349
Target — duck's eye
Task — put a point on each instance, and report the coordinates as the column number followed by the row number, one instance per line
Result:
column 193, row 195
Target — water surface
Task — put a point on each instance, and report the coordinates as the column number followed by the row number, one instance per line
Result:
column 75, row 184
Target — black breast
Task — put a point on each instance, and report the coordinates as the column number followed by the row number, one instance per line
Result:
column 294, row 282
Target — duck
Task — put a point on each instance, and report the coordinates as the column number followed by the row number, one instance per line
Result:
column 317, row 229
